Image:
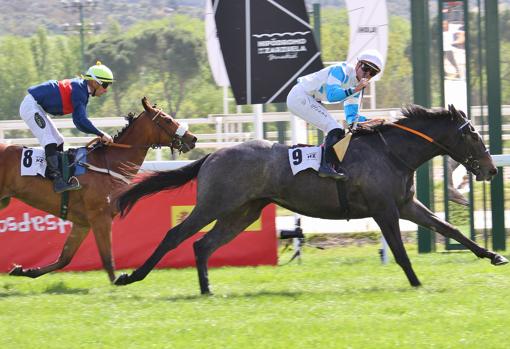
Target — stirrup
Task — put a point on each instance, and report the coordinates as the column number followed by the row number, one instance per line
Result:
column 60, row 186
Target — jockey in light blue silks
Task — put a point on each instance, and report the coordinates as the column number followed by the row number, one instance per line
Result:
column 337, row 83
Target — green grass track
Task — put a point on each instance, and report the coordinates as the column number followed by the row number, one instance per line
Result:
column 338, row 298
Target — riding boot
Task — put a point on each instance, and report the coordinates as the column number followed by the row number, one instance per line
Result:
column 59, row 184
column 330, row 166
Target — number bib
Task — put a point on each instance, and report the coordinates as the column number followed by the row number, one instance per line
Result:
column 302, row 158
column 33, row 162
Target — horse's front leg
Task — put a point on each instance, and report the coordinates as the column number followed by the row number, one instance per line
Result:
column 102, row 229
column 73, row 241
column 416, row 212
column 388, row 222
column 171, row 240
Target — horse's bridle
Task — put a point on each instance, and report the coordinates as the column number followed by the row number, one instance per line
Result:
column 469, row 161
column 175, row 143
column 176, row 139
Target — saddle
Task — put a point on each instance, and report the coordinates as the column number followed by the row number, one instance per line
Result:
column 362, row 128
column 67, row 162
column 33, row 162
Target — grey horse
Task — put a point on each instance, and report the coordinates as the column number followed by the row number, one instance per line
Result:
column 236, row 183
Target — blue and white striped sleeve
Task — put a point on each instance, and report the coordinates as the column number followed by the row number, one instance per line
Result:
column 351, row 108
column 336, row 77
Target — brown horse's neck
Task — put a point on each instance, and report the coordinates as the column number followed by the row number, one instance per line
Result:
column 140, row 136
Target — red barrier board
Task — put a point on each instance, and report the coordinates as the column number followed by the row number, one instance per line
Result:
column 35, row 238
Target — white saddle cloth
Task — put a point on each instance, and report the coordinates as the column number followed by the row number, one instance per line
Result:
column 302, row 158
column 33, row 162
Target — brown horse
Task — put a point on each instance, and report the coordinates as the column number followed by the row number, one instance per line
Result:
column 89, row 207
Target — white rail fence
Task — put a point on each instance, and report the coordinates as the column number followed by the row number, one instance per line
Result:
column 229, row 129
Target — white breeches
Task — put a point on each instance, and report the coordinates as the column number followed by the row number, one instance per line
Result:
column 306, row 107
column 39, row 123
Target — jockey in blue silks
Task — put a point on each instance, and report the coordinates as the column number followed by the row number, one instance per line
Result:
column 63, row 97
column 337, row 83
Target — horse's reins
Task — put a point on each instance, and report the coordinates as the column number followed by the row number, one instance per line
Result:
column 96, row 141
column 178, row 134
column 117, row 145
column 468, row 161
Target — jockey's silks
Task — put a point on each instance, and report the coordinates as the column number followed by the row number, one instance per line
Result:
column 69, row 96
column 65, row 88
column 335, row 84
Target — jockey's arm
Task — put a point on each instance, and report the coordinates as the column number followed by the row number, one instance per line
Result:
column 334, row 92
column 82, row 122
column 351, row 109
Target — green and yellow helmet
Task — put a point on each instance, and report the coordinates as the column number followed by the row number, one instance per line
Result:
column 100, row 73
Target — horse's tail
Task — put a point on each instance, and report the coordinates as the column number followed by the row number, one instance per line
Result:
column 156, row 182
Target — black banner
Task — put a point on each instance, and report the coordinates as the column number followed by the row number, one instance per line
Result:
column 281, row 47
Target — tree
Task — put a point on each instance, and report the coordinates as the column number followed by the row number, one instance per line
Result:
column 120, row 56
column 40, row 50
column 176, row 56
column 17, row 73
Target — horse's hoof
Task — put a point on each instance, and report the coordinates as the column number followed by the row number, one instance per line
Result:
column 17, row 270
column 121, row 280
column 499, row 260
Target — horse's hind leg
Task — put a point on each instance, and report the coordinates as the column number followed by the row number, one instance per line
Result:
column 173, row 238
column 226, row 229
column 388, row 222
column 419, row 214
column 74, row 240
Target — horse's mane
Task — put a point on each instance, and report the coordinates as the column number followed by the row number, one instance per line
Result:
column 414, row 111
column 130, row 119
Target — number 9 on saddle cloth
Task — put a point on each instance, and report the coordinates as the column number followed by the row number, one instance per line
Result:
column 302, row 157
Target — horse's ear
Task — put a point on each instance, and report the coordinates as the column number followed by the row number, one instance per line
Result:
column 146, row 104
column 452, row 109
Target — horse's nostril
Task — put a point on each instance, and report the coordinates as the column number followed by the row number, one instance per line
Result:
column 493, row 172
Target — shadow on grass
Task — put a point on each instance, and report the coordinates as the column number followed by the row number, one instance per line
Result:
column 287, row 294
column 11, row 294
column 296, row 294
column 61, row 288
column 8, row 290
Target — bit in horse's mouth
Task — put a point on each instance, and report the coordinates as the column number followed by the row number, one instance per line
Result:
column 186, row 147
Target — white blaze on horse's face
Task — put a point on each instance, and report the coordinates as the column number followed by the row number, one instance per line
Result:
column 187, row 138
column 179, row 136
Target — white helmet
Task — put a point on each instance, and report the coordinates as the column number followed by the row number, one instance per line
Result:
column 373, row 58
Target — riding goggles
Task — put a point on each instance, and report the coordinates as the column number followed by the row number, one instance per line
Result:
column 368, row 68
column 102, row 83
